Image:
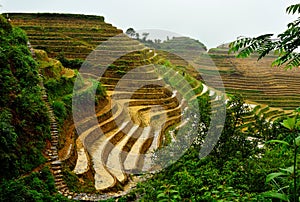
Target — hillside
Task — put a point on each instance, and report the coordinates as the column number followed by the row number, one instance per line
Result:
column 91, row 133
column 20, row 100
column 256, row 81
column 74, row 36
column 25, row 124
column 135, row 114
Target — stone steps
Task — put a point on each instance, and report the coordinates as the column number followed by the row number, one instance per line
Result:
column 53, row 151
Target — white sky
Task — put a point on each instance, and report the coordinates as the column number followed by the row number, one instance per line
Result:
column 212, row 22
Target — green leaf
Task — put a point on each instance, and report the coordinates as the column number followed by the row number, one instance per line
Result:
column 293, row 9
column 298, row 124
column 161, row 195
column 288, row 170
column 173, row 191
column 278, row 141
column 283, row 197
column 282, row 188
column 297, row 141
column 271, row 176
column 289, row 123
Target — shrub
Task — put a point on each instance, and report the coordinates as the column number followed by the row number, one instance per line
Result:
column 73, row 63
column 59, row 110
column 24, row 121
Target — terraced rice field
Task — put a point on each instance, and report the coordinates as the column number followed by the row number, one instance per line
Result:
column 255, row 80
column 73, row 35
column 144, row 101
column 77, row 36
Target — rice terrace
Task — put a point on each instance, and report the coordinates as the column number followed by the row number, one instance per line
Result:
column 91, row 112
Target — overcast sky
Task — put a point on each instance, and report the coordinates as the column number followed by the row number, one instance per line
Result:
column 212, row 22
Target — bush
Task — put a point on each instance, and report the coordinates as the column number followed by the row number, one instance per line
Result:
column 24, row 121
column 73, row 63
column 35, row 187
column 6, row 27
column 59, row 110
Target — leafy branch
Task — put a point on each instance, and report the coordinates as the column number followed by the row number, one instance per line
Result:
column 283, row 46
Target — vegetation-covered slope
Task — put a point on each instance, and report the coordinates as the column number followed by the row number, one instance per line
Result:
column 73, row 36
column 132, row 124
column 24, row 120
column 25, row 130
column 256, row 81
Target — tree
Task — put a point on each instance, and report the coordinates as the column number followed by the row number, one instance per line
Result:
column 130, row 32
column 233, row 142
column 283, row 46
column 157, row 41
column 145, row 35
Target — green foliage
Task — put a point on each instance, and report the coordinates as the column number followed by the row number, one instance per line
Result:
column 100, row 91
column 24, row 120
column 290, row 123
column 73, row 63
column 24, row 123
column 275, row 195
column 168, row 193
column 130, row 32
column 167, row 63
column 286, row 182
column 59, row 110
column 35, row 187
column 57, row 88
column 6, row 27
column 284, row 46
column 60, row 92
column 121, row 72
column 233, row 142
column 236, row 170
column 291, row 188
column 175, row 45
column 8, row 134
column 194, row 179
column 293, row 9
column 75, row 184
